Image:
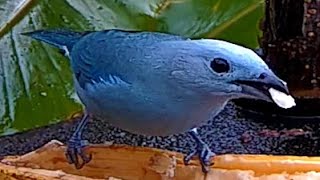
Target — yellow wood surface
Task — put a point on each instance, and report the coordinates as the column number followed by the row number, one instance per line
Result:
column 126, row 162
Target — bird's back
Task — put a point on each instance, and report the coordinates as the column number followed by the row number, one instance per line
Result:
column 115, row 52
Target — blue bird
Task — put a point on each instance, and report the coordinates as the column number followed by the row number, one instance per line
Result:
column 158, row 84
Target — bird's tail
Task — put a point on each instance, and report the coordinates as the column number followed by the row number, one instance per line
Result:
column 58, row 38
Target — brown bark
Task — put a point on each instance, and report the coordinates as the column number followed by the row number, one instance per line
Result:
column 291, row 43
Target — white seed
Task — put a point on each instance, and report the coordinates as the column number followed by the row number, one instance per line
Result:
column 281, row 99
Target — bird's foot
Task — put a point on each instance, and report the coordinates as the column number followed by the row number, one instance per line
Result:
column 202, row 150
column 205, row 155
column 75, row 150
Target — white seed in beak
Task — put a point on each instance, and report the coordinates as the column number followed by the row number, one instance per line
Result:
column 281, row 99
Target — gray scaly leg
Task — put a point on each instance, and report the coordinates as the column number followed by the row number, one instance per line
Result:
column 76, row 144
column 202, row 150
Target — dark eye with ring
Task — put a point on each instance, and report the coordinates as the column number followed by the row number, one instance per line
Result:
column 219, row 65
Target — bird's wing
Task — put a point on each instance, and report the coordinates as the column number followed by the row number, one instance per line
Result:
column 101, row 55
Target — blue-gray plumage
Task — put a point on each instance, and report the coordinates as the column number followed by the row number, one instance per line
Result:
column 158, row 84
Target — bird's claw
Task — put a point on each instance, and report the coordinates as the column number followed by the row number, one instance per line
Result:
column 75, row 150
column 205, row 155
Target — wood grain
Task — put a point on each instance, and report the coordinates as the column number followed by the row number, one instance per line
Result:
column 126, row 162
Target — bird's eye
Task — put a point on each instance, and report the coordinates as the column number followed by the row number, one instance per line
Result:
column 220, row 65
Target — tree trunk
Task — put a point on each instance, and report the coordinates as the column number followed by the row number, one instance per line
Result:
column 291, row 43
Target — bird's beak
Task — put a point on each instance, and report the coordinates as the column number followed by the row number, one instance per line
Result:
column 257, row 88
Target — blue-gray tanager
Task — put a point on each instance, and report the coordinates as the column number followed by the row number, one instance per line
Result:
column 158, row 84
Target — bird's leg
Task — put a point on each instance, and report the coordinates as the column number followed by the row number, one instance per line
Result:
column 202, row 150
column 76, row 144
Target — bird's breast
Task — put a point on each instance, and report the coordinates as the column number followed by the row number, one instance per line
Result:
column 149, row 112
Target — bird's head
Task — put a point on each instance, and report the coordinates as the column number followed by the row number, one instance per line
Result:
column 226, row 69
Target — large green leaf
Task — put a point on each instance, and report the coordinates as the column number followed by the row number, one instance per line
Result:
column 35, row 80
